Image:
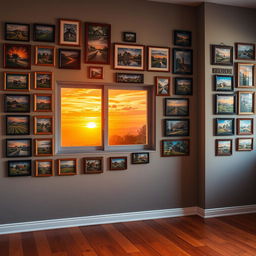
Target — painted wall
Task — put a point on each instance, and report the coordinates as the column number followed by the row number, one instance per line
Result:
column 164, row 183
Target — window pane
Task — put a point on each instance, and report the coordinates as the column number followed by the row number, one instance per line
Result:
column 127, row 121
column 81, row 117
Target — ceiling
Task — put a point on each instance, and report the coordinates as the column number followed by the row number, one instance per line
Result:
column 240, row 3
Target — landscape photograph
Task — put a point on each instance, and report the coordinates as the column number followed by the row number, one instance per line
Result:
column 176, row 107
column 17, row 125
column 70, row 32
column 225, row 104
column 96, row 72
column 43, row 125
column 163, row 86
column 176, row 127
column 17, row 81
column 175, row 148
column 182, row 38
column 140, row 158
column 159, row 59
column 222, row 55
column 245, row 126
column 45, row 56
column 44, row 33
column 246, row 102
column 69, row 59
column 43, row 103
column 245, row 144
column 245, row 51
column 67, row 167
column 129, row 57
column 43, row 80
column 17, row 103
column 224, row 126
column 19, row 168
column 118, row 163
column 223, row 147
column 44, row 167
column 182, row 61
column 17, row 32
column 43, row 147
column 93, row 165
column 246, row 75
column 223, row 83
column 18, row 147
column 183, row 86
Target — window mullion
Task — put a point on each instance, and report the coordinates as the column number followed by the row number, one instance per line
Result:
column 105, row 117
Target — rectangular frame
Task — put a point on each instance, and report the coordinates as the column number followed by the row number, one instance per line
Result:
column 178, row 110
column 71, row 59
column 244, row 148
column 238, row 126
column 39, row 61
column 238, row 75
column 227, row 152
column 223, row 86
column 239, row 104
column 18, row 33
column 186, row 88
column 217, row 111
column 248, row 55
column 95, row 169
column 17, row 82
column 222, row 55
column 129, row 78
column 92, row 74
column 44, row 35
column 36, row 151
column 158, row 59
column 18, row 148
column 15, row 162
column 37, row 163
column 25, row 108
column 177, row 131
column 182, row 38
column 182, row 61
column 129, row 37
column 222, row 124
column 172, row 145
column 117, row 167
column 18, row 128
column 140, row 158
column 66, row 37
column 59, row 166
column 44, row 80
column 163, row 88
column 36, row 109
column 36, row 132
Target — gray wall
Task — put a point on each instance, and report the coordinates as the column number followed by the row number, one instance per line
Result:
column 164, row 183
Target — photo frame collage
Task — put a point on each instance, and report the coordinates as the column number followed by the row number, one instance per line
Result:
column 236, row 96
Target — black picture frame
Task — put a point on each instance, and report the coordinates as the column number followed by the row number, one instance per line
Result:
column 225, row 106
column 223, row 83
column 44, row 35
column 64, row 58
column 183, row 86
column 19, row 166
column 176, row 110
column 17, row 125
column 18, row 147
column 176, row 127
column 16, row 106
column 129, row 78
column 219, row 52
column 129, row 37
column 140, row 158
column 20, row 32
column 224, row 126
column 182, row 61
column 182, row 38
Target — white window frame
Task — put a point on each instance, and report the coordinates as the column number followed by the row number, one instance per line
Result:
column 105, row 147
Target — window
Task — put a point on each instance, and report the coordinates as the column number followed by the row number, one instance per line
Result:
column 105, row 118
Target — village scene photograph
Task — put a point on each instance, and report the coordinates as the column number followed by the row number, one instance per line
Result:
column 175, row 148
column 140, row 158
column 93, row 165
column 43, row 80
column 17, row 81
column 118, row 163
column 45, row 55
column 19, row 168
column 223, row 83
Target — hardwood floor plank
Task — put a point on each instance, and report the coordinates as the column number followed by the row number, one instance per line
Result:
column 4, row 244
column 28, row 244
column 15, row 248
column 42, row 244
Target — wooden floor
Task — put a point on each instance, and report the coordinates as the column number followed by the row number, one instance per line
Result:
column 183, row 236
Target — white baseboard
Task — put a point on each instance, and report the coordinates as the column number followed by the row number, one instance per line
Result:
column 226, row 211
column 123, row 217
column 94, row 220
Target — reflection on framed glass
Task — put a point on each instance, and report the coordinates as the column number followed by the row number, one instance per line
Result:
column 118, row 163
column 16, row 103
column 246, row 103
column 140, row 158
column 222, row 55
column 17, row 56
column 129, row 78
column 67, row 166
column 129, row 56
column 182, row 61
column 18, row 147
column 19, row 168
column 45, row 55
column 223, row 147
column 69, row 32
column 244, row 144
column 44, row 168
column 176, row 127
column 93, row 165
column 18, row 125
column 17, row 32
column 16, row 81
column 43, row 147
column 245, row 51
column 225, row 104
column 224, row 126
column 43, row 125
column 158, row 59
column 95, row 72
column 223, row 83
column 129, row 37
column 98, row 42
column 176, row 107
column 70, row 58
column 44, row 33
column 244, row 126
column 43, row 80
column 178, row 147
column 162, row 85
column 42, row 102
column 245, row 73
column 183, row 86
column 182, row 38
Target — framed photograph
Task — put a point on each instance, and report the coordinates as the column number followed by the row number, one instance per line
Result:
column 183, row 86
column 182, row 38
column 18, row 125
column 44, row 168
column 175, row 147
column 245, row 51
column 129, row 37
column 67, row 166
column 223, row 147
column 246, row 103
column 225, row 104
column 182, row 61
column 245, row 75
column 18, row 147
column 43, row 125
column 244, row 126
column 17, row 56
column 43, row 80
column 158, row 59
column 43, row 147
column 42, row 102
column 17, row 32
column 162, row 86
column 223, row 83
column 222, row 55
column 176, row 107
column 140, row 158
column 129, row 78
column 97, row 43
column 224, row 126
column 45, row 55
column 244, row 144
column 70, row 58
column 69, row 32
column 16, row 81
column 16, row 103
column 93, row 165
column 18, row 168
column 95, row 72
column 118, row 163
column 129, row 56
column 44, row 33
column 176, row 127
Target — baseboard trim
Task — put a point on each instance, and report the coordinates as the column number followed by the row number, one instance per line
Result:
column 94, row 220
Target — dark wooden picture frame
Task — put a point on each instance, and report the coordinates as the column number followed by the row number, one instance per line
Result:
column 93, row 165
column 17, row 125
column 140, row 158
column 245, row 75
column 183, row 86
column 69, row 58
column 17, row 81
column 224, row 126
column 41, row 102
column 18, row 147
column 43, row 149
column 43, row 80
column 118, row 163
column 176, row 127
column 223, row 83
column 182, row 38
column 223, row 106
column 163, row 85
column 17, row 168
column 244, row 146
column 222, row 55
column 224, row 150
column 43, row 125
column 129, row 78
column 172, row 107
column 45, row 55
column 129, row 37
column 245, row 51
column 17, row 32
column 175, row 147
column 247, row 128
column 95, row 72
column 44, row 33
column 68, row 165
column 182, row 61
column 16, row 103
column 43, row 170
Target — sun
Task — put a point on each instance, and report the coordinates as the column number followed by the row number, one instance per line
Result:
column 91, row 125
